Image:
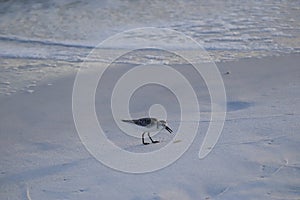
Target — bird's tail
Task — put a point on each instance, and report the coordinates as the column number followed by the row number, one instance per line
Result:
column 128, row 121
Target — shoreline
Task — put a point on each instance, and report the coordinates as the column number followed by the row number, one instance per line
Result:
column 33, row 85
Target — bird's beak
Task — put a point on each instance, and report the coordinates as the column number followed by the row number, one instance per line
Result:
column 168, row 129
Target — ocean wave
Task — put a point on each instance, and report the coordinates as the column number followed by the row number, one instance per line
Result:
column 67, row 31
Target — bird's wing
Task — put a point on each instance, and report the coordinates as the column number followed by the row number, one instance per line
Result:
column 142, row 121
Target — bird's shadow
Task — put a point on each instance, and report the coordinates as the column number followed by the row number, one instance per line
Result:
column 141, row 148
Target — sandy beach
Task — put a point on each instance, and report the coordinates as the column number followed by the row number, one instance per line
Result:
column 71, row 71
column 256, row 157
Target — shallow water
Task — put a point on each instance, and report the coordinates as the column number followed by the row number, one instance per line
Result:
column 39, row 39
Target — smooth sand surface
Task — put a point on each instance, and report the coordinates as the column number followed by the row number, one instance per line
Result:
column 257, row 156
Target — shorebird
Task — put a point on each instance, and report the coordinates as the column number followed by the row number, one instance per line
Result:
column 149, row 125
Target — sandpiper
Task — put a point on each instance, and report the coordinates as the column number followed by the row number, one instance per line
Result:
column 149, row 125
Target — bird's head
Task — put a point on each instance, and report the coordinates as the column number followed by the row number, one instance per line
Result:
column 164, row 125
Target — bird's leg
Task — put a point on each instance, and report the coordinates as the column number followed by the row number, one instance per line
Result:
column 153, row 141
column 145, row 143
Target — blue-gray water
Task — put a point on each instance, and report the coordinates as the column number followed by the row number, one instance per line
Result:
column 44, row 38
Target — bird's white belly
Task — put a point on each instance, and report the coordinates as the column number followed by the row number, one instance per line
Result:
column 149, row 129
